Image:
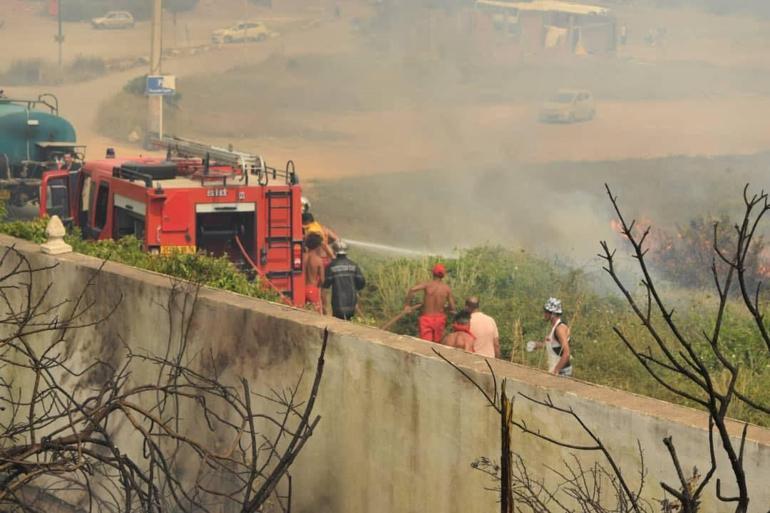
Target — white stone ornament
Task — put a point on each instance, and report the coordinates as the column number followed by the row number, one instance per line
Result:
column 55, row 232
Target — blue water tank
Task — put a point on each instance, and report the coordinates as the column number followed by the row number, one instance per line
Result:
column 27, row 133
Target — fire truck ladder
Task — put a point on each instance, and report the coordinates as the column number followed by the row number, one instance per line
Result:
column 248, row 163
column 280, row 227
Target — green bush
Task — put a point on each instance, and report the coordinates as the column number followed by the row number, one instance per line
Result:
column 512, row 287
column 217, row 272
column 28, row 230
column 136, row 86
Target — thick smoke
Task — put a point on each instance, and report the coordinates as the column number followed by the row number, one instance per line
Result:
column 411, row 123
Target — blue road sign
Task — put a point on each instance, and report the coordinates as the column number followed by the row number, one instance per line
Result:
column 160, row 85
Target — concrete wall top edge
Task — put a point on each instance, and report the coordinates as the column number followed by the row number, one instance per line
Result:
column 474, row 364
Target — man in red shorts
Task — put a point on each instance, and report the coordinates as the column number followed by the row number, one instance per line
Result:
column 314, row 271
column 437, row 294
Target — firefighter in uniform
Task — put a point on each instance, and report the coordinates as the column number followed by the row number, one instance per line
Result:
column 345, row 279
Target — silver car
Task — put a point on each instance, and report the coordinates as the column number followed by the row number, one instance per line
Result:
column 114, row 20
column 568, row 106
column 241, row 31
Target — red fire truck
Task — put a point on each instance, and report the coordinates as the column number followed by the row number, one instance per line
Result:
column 199, row 198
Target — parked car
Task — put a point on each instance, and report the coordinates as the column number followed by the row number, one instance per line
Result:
column 241, row 31
column 568, row 106
column 114, row 20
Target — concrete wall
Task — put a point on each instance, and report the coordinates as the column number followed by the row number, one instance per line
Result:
column 399, row 427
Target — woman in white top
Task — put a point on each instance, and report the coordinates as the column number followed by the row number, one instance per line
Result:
column 557, row 341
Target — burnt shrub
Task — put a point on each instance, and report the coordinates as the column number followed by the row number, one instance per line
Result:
column 685, row 254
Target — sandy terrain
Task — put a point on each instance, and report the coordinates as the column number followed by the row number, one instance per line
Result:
column 482, row 137
column 31, row 35
column 79, row 101
column 404, row 139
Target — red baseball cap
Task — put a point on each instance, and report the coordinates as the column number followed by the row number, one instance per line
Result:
column 439, row 270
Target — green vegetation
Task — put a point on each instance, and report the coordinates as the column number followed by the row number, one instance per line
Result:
column 513, row 285
column 216, row 272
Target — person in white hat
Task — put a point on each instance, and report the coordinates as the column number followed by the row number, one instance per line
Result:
column 557, row 341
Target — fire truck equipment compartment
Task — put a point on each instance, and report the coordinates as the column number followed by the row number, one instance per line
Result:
column 156, row 170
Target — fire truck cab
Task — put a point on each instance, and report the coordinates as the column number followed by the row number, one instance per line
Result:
column 198, row 199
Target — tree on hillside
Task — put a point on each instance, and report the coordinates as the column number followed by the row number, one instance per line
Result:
column 696, row 366
column 79, row 435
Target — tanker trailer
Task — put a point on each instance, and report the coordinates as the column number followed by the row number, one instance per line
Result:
column 34, row 140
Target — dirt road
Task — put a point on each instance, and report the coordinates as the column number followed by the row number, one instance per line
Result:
column 347, row 143
column 80, row 102
column 386, row 142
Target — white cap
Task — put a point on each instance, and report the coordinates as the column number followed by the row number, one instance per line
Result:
column 553, row 305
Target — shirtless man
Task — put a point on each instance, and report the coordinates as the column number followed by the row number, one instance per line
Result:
column 328, row 236
column 313, row 263
column 461, row 336
column 437, row 294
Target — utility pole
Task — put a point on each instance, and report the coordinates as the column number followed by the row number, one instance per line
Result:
column 155, row 103
column 156, row 43
column 59, row 38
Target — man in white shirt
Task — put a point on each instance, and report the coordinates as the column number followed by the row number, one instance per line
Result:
column 484, row 328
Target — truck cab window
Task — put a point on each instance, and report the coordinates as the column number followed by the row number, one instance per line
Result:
column 129, row 223
column 100, row 210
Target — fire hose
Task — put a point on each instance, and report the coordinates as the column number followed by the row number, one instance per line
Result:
column 398, row 317
column 260, row 273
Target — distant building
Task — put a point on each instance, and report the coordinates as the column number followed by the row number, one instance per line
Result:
column 552, row 24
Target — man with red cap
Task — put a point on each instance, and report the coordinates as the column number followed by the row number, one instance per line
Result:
column 437, row 295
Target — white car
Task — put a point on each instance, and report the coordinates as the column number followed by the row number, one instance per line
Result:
column 568, row 106
column 114, row 20
column 241, row 31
